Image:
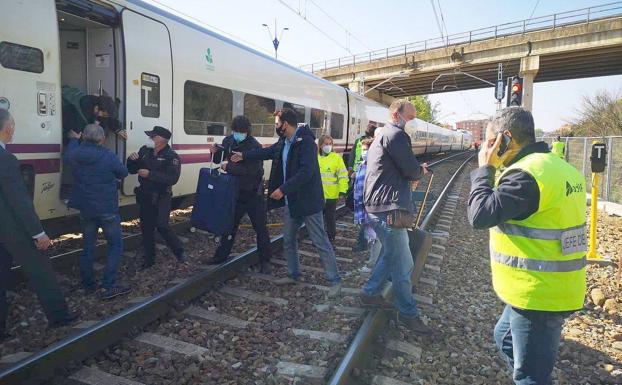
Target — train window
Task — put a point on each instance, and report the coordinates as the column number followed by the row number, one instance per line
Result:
column 207, row 109
column 336, row 125
column 298, row 109
column 149, row 95
column 318, row 119
column 259, row 111
column 21, row 58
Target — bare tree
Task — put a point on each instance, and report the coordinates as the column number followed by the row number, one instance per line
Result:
column 600, row 115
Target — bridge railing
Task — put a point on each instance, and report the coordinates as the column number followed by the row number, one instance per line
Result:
column 557, row 20
column 578, row 152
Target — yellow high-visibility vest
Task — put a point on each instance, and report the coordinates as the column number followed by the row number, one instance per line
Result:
column 334, row 175
column 558, row 148
column 538, row 263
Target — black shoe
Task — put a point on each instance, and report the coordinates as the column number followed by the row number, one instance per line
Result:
column 265, row 268
column 116, row 291
column 215, row 261
column 359, row 247
column 416, row 325
column 147, row 264
column 181, row 258
column 377, row 301
column 66, row 320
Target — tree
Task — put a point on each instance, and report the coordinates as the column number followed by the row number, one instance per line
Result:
column 539, row 133
column 600, row 115
column 425, row 110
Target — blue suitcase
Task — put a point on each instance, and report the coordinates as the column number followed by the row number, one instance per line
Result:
column 214, row 206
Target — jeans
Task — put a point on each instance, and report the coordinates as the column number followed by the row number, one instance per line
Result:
column 528, row 341
column 253, row 204
column 394, row 260
column 330, row 219
column 111, row 226
column 315, row 228
column 361, row 240
column 375, row 247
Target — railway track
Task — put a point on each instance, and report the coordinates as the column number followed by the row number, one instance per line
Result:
column 218, row 300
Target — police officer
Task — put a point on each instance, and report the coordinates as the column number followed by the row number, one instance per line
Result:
column 537, row 241
column 158, row 169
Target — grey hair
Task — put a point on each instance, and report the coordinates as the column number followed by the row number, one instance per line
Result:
column 93, row 133
column 5, row 117
column 518, row 121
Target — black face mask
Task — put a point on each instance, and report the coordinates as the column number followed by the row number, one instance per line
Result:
column 279, row 130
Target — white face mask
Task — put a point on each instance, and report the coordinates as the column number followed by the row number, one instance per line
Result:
column 364, row 155
column 149, row 143
column 327, row 148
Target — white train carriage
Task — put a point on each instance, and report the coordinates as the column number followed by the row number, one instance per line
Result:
column 164, row 70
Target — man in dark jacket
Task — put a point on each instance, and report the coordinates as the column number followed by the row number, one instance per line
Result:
column 250, row 192
column 96, row 173
column 22, row 238
column 158, row 168
column 391, row 167
column 295, row 183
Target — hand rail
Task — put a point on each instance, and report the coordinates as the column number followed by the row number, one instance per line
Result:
column 562, row 19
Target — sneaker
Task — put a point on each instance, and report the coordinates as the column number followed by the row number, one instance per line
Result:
column 285, row 281
column 334, row 290
column 415, row 325
column 265, row 268
column 374, row 301
column 66, row 320
column 365, row 270
column 181, row 258
column 359, row 247
column 115, row 292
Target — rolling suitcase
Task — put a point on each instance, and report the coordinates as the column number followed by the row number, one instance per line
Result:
column 214, row 206
column 420, row 241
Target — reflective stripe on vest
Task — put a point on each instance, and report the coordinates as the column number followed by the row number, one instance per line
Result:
column 538, row 263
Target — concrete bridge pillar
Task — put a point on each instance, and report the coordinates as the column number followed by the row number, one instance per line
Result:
column 529, row 67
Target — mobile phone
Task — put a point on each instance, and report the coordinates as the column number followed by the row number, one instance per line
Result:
column 505, row 142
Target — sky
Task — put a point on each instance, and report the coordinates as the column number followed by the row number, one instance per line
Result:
column 327, row 29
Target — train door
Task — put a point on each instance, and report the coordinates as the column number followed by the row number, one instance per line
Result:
column 30, row 90
column 148, row 82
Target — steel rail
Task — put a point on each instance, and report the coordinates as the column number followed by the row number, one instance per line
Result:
column 359, row 351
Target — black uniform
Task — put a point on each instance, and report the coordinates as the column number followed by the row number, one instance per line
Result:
column 154, row 197
column 250, row 199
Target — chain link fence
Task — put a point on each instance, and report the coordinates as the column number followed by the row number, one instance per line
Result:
column 578, row 152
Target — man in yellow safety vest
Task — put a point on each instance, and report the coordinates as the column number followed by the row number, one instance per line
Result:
column 558, row 147
column 537, row 241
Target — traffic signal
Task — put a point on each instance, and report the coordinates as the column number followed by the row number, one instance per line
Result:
column 515, row 91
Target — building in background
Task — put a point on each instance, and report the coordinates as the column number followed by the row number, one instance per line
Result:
column 476, row 127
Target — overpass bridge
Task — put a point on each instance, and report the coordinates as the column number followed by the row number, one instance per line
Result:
column 575, row 44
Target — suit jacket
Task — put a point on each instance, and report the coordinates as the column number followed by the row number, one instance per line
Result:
column 18, row 218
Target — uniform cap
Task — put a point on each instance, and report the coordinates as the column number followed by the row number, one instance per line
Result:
column 159, row 131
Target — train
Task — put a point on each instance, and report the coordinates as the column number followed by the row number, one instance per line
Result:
column 164, row 70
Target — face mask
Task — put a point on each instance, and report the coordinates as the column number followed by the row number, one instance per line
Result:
column 327, row 148
column 149, row 143
column 239, row 136
column 401, row 123
column 279, row 130
column 364, row 155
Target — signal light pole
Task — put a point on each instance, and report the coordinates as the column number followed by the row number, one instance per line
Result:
column 515, row 91
column 276, row 41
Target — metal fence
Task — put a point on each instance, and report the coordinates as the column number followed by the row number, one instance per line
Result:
column 584, row 15
column 578, row 152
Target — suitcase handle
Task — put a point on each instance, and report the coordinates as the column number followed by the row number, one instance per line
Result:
column 425, row 197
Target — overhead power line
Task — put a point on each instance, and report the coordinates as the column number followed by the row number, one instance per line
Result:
column 314, row 26
column 348, row 33
column 225, row 33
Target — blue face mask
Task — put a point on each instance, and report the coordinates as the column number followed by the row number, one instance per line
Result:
column 239, row 136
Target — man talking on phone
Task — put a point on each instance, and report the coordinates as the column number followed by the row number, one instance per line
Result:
column 535, row 210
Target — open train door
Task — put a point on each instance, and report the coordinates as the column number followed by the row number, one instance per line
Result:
column 148, row 81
